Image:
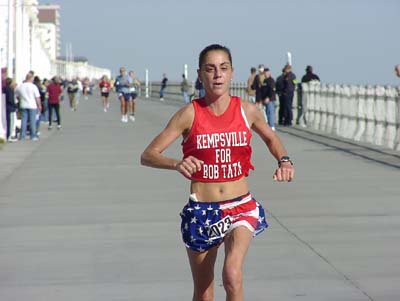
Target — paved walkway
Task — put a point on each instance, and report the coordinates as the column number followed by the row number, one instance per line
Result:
column 81, row 220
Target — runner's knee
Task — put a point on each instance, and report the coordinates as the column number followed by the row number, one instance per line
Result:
column 232, row 278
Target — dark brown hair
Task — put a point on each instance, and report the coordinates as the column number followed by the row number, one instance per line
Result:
column 213, row 47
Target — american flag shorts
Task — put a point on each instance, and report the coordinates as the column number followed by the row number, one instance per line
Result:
column 205, row 224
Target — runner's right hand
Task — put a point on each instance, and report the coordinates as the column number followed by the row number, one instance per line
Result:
column 189, row 166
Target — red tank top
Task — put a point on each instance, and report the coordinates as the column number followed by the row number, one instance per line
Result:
column 222, row 142
column 105, row 87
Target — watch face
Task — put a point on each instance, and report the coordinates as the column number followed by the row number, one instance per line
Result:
column 285, row 158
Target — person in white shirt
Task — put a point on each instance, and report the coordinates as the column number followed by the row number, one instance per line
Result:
column 29, row 103
column 80, row 89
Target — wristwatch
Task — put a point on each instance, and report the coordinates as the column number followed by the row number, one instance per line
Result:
column 285, row 159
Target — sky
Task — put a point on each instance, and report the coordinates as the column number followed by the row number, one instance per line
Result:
column 346, row 41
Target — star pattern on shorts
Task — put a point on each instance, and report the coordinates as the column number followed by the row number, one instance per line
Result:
column 198, row 217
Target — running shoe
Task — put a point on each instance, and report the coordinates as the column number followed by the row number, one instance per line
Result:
column 12, row 139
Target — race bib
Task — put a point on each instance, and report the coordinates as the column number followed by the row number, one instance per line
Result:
column 104, row 89
column 220, row 228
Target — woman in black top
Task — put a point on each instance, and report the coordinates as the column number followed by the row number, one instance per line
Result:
column 11, row 107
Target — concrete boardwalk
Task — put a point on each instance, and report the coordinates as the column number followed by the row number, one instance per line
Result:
column 81, row 220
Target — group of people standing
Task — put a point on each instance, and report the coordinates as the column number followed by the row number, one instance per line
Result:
column 263, row 89
column 35, row 100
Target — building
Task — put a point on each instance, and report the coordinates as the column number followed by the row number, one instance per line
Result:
column 49, row 27
column 30, row 40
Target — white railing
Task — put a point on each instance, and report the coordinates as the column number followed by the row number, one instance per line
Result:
column 363, row 113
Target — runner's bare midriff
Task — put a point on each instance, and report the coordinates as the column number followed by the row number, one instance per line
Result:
column 220, row 191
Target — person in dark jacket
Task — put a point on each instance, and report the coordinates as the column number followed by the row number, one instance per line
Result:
column 289, row 86
column 11, row 108
column 279, row 90
column 199, row 86
column 309, row 76
column 257, row 85
column 42, row 91
column 163, row 86
column 269, row 97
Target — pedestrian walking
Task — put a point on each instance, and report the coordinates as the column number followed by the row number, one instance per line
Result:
column 105, row 88
column 86, row 88
column 29, row 104
column 163, row 86
column 73, row 90
column 122, row 85
column 185, row 89
column 80, row 90
column 134, row 89
column 55, row 93
column 217, row 160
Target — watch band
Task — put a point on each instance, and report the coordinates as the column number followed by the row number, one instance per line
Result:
column 285, row 159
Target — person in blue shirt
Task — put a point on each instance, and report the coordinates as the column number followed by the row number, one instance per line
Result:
column 123, row 83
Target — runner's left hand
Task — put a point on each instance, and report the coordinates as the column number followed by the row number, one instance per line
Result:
column 284, row 173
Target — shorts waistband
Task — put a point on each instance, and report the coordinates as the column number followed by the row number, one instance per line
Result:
column 243, row 198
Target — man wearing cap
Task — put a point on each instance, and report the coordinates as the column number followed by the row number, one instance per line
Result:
column 269, row 97
column 309, row 76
